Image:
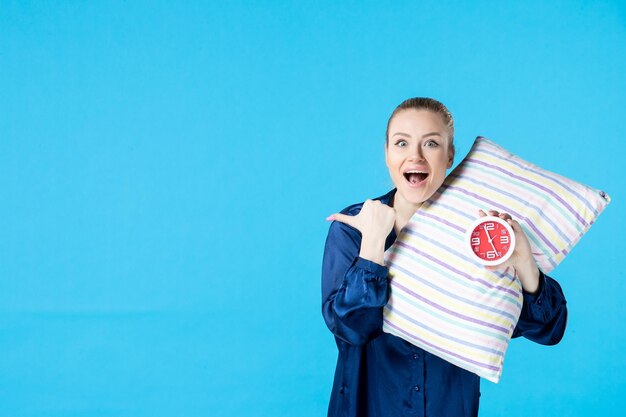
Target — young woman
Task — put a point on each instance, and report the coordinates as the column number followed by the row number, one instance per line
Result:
column 379, row 374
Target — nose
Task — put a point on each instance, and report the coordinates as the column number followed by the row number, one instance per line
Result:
column 416, row 153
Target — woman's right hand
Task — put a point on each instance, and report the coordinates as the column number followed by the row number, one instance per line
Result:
column 374, row 221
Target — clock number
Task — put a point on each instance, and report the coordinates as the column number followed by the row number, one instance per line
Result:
column 475, row 241
column 490, row 226
column 491, row 254
column 504, row 240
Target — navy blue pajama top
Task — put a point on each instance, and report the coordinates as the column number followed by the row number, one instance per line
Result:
column 379, row 374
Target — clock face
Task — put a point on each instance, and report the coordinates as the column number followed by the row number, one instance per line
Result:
column 491, row 240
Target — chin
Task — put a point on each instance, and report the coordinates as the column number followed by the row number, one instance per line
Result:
column 415, row 196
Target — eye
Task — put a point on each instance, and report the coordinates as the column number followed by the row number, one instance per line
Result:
column 431, row 144
column 401, row 143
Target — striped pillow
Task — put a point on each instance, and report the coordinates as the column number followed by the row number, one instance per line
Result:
column 441, row 299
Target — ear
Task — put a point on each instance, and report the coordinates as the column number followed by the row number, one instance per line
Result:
column 386, row 146
column 450, row 156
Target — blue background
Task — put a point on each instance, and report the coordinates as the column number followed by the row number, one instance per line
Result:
column 166, row 169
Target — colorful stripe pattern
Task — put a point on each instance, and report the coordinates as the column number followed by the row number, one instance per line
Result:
column 448, row 304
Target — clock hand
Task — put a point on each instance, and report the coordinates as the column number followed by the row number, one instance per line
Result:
column 490, row 239
column 494, row 248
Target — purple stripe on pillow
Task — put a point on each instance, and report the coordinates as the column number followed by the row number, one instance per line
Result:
column 456, row 271
column 410, row 231
column 440, row 220
column 470, row 217
column 541, row 187
column 500, row 206
column 498, row 311
column 448, row 311
column 503, row 274
column 539, row 172
column 444, row 335
column 532, row 206
column 447, row 352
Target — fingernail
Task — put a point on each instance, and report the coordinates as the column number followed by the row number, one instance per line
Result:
column 330, row 218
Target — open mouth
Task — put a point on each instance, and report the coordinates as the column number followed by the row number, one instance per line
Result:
column 415, row 177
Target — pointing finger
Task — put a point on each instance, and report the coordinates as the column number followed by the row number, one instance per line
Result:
column 349, row 220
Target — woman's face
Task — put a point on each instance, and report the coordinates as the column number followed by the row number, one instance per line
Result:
column 418, row 153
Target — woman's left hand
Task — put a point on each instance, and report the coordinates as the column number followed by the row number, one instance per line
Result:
column 522, row 259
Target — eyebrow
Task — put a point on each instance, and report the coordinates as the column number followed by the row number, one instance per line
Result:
column 423, row 136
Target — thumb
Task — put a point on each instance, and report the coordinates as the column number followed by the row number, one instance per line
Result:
column 342, row 218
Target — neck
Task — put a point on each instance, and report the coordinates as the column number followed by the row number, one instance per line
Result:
column 404, row 210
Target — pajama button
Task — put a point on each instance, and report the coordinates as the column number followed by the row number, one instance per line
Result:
column 416, row 356
column 416, row 388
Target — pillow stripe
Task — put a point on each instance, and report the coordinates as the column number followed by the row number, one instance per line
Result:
column 518, row 189
column 444, row 221
column 448, row 311
column 468, row 327
column 468, row 202
column 531, row 189
column 460, row 328
column 540, row 186
column 458, row 297
column 458, row 283
column 447, row 336
column 524, row 168
column 493, row 203
column 486, row 354
column 554, row 178
column 446, row 249
column 455, row 270
column 550, row 231
column 454, row 210
column 512, row 201
column 449, row 355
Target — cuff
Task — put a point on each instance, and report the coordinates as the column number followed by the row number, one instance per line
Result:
column 372, row 267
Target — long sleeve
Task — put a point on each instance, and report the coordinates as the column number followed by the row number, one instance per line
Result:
column 354, row 290
column 544, row 314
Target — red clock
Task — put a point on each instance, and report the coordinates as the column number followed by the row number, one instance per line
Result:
column 490, row 240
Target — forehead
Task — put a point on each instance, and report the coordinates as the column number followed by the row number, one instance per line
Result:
column 417, row 123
